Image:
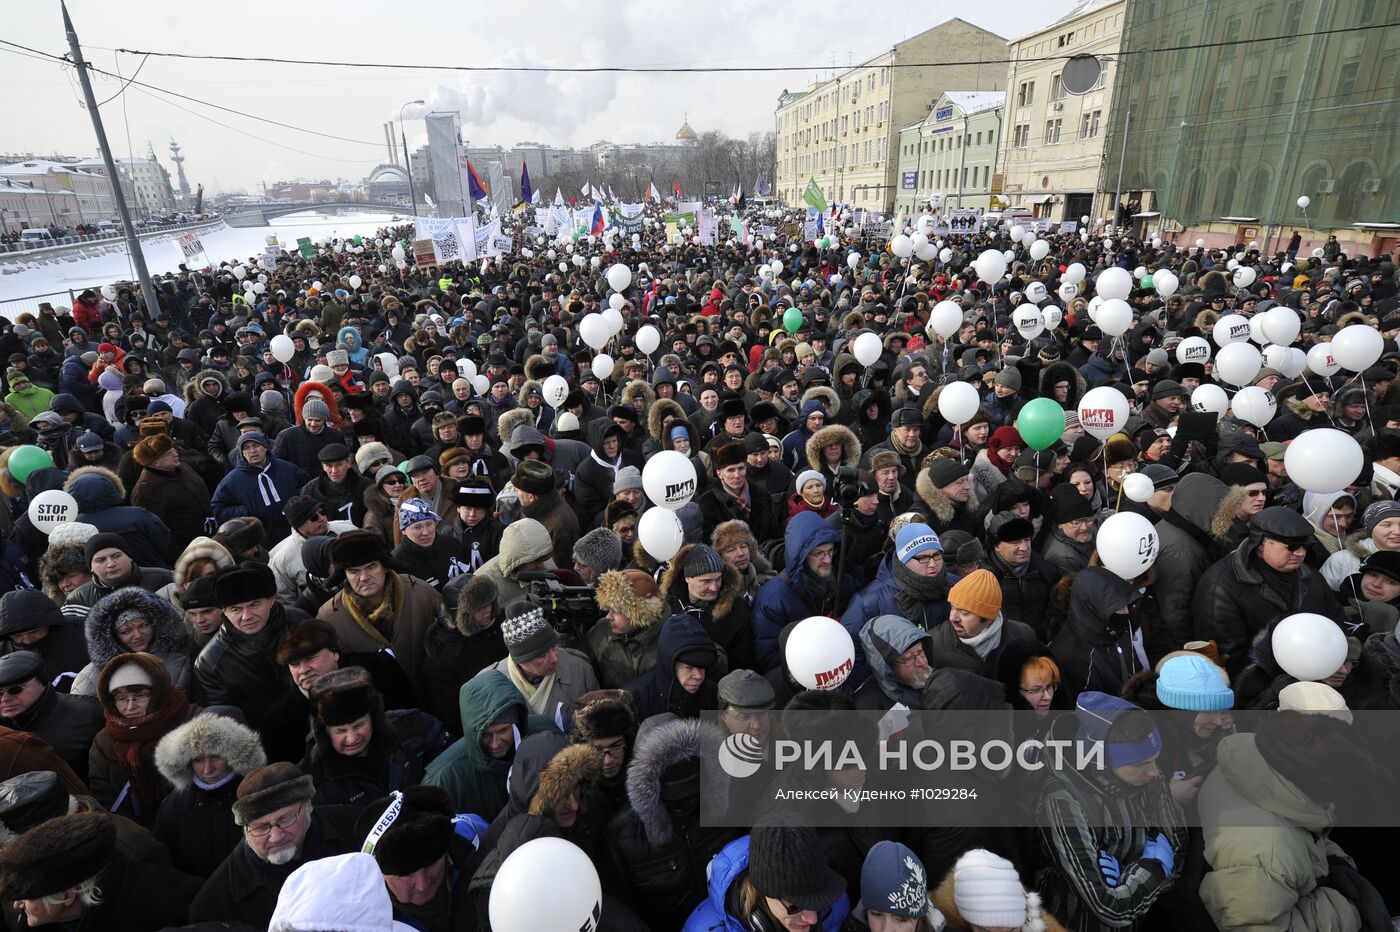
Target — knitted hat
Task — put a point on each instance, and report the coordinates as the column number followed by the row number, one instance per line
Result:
column 962, row 548
column 72, row 532
column 1192, row 683
column 128, row 674
column 534, row 477
column 1010, row 377
column 526, row 633
column 253, row 436
column 988, row 892
column 978, row 592
column 199, row 594
column 1378, row 512
column 892, row 881
column 315, row 408
column 270, row 788
column 600, row 550
column 703, row 560
column 104, row 541
column 414, row 510
column 946, row 470
column 914, row 539
column 385, row 471
column 809, row 475
column 1066, row 504
column 628, row 477
column 786, row 862
column 57, row 854
column 1314, row 697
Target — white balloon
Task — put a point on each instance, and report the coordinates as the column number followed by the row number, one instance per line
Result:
column 1238, row 363
column 1074, row 273
column 580, row 261
column 109, row 292
column 1137, row 487
column 356, row 281
column 648, row 339
column 1255, row 405
column 1323, row 460
column 594, row 330
column 902, row 246
column 1232, row 265
column 669, row 479
column 853, row 260
column 602, row 365
column 239, row 272
column 660, row 533
column 1017, row 232
column 1068, row 291
column 926, row 253
column 467, row 368
column 516, row 903
column 1193, row 349
column 990, row 265
column 945, row 254
column 481, row 383
column 958, row 402
column 1281, row 325
column 1304, row 201
column 615, row 301
column 946, row 318
column 1039, row 250
column 259, row 287
column 1009, row 255
column 1298, row 365
column 867, row 349
column 563, row 266
column 1280, row 358
column 777, row 266
column 1256, row 330
column 50, row 508
column 555, row 390
column 1115, row 317
column 1035, row 292
column 1309, row 647
column 820, row 653
column 1244, row 276
column 383, row 268
column 1127, row 544
column 1140, row 273
column 1210, row 398
column 1200, row 243
column 1165, row 282
column 1230, row 328
column 1029, row 322
column 925, row 224
column 1102, row 412
column 282, row 347
column 1321, row 361
column 1319, row 253
column 919, row 238
column 1357, row 347
column 595, row 262
column 619, row 277
column 1114, row 283
column 1052, row 316
column 614, row 318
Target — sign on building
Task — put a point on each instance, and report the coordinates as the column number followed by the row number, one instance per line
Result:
column 911, row 180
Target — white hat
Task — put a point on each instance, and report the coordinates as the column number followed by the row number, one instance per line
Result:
column 566, row 422
column 1314, row 697
column 129, row 674
column 323, row 374
column 71, row 532
column 988, row 891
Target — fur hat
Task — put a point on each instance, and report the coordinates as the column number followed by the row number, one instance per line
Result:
column 208, row 734
column 633, row 594
column 418, row 831
column 574, row 770
column 56, row 855
column 479, row 592
column 270, row 788
column 242, row 583
column 603, row 713
column 306, row 640
column 727, row 453
column 240, row 535
column 728, row 533
column 342, row 696
column 1119, row 449
column 370, row 454
column 882, row 459
column 152, row 448
column 600, row 550
column 534, row 477
column 451, row 457
column 357, row 548
column 616, row 511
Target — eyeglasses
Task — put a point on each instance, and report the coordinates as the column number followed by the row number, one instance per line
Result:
column 283, row 824
column 1256, row 493
column 792, row 909
column 1046, row 690
column 15, row 690
column 934, row 557
column 615, row 750
column 1292, row 545
column 1081, row 523
column 395, row 481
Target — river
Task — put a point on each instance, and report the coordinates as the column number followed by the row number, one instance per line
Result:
column 73, row 271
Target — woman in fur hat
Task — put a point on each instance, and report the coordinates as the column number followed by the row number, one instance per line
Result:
column 736, row 544
column 203, row 556
column 361, row 752
column 203, row 760
column 831, row 448
column 134, row 620
column 623, row 644
column 140, row 706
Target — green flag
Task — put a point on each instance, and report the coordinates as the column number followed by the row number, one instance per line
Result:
column 304, row 246
column 813, row 195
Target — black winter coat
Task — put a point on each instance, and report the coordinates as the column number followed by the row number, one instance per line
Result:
column 658, row 691
column 1094, row 648
column 299, row 446
column 1025, row 598
column 137, row 897
column 344, row 502
column 764, row 519
column 197, row 826
column 405, row 742
column 450, row 660
column 68, row 723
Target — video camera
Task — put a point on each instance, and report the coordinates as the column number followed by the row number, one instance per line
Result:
column 570, row 610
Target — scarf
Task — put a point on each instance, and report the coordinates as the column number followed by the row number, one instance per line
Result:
column 988, row 640
column 267, row 487
column 915, row 594
column 821, row 590
column 536, row 695
column 742, row 503
column 1287, row 586
column 375, row 620
column 134, row 746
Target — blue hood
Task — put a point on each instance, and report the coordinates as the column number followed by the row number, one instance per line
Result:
column 884, row 639
column 94, row 491
column 805, row 533
column 350, row 336
column 724, row 870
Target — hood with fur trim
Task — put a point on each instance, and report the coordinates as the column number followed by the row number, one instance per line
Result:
column 526, row 387
column 507, row 422
column 574, row 770
column 208, row 734
column 95, row 488
column 658, row 414
column 659, row 748
column 306, row 389
column 1063, row 372
column 943, row 898
column 201, row 548
column 942, row 506
column 538, row 367
column 731, row 584
column 614, row 594
column 171, row 638
column 1207, row 503
column 194, row 387
column 638, row 389
column 826, row 396
column 833, row 433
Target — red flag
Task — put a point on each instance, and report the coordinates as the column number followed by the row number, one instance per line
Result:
column 676, row 186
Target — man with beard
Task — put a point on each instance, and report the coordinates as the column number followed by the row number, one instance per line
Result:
column 976, row 633
column 899, row 653
column 282, row 830
column 807, row 586
column 912, row 582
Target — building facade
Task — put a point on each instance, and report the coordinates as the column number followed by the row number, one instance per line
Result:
column 844, row 132
column 949, row 158
column 1054, row 147
column 39, row 193
column 145, row 185
column 1273, row 101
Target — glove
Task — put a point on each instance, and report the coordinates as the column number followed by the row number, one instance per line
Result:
column 1160, row 849
column 1108, row 865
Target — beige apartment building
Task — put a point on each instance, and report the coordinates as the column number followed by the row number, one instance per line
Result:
column 844, row 131
column 1053, row 145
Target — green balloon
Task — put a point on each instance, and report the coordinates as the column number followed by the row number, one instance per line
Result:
column 826, row 242
column 1040, row 423
column 25, row 460
column 1146, row 281
column 792, row 320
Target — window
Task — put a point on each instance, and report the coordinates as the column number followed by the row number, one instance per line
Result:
column 1020, row 135
column 991, row 137
column 1292, row 19
column 1232, row 34
column 963, row 183
column 1057, row 87
column 979, row 139
column 1052, row 131
column 1217, row 100
column 1365, row 10
column 1346, row 78
column 1278, row 87
column 974, row 176
column 1025, row 94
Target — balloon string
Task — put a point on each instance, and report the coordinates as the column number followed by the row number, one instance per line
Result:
column 1327, row 410
column 1367, row 402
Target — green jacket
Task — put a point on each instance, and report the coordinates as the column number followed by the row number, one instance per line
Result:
column 476, row 782
column 1266, row 876
column 31, row 401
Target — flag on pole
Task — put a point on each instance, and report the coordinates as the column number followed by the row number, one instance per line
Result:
column 813, row 195
column 535, row 197
column 527, row 193
column 597, row 228
column 586, row 189
column 478, row 188
column 652, row 193
column 676, row 186
column 558, row 198
column 612, row 198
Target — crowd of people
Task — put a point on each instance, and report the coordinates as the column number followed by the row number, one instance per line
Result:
column 293, row 662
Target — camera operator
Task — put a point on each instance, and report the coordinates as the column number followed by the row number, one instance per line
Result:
column 546, row 674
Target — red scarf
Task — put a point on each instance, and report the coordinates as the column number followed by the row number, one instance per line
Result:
column 135, row 748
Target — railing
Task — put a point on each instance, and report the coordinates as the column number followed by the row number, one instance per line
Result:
column 10, row 308
column 91, row 238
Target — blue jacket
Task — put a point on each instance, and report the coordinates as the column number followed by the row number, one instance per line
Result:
column 781, row 600
column 73, row 380
column 98, row 493
column 1101, row 371
column 795, row 443
column 878, row 598
column 724, row 870
column 350, row 336
column 247, row 491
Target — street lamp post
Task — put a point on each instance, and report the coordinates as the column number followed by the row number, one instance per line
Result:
column 408, row 159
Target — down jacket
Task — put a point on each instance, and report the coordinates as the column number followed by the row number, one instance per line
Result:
column 732, row 863
column 99, row 494
column 171, row 639
column 783, row 599
column 1191, row 537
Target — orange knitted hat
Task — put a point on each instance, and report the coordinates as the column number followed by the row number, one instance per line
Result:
column 977, row 592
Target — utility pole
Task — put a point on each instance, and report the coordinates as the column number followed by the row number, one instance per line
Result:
column 133, row 245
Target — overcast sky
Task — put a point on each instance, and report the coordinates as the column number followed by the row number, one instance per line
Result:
column 40, row 110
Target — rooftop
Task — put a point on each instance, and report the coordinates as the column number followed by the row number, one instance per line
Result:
column 40, row 167
column 970, row 102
